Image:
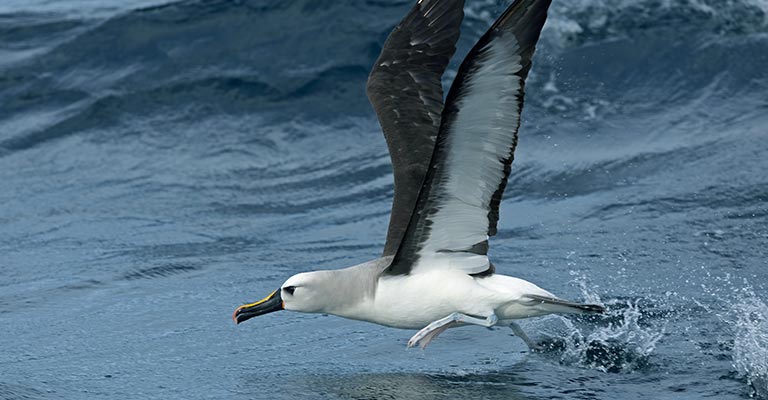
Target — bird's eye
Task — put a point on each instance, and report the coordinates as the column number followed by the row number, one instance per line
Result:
column 290, row 289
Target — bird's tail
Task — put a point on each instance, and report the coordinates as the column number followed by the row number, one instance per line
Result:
column 555, row 305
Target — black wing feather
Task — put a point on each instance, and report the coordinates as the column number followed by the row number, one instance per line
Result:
column 406, row 91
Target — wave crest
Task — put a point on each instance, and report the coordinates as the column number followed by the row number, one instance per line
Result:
column 579, row 21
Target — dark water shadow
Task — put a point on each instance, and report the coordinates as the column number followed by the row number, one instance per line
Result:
column 414, row 386
column 611, row 356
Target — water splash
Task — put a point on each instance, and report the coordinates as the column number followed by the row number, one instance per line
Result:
column 750, row 343
column 745, row 315
column 622, row 345
column 620, row 340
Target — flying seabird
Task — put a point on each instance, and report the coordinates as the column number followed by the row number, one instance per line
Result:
column 451, row 163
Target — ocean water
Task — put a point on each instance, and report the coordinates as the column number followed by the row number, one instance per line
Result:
column 163, row 162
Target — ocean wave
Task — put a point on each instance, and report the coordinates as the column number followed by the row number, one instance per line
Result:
column 580, row 21
column 228, row 47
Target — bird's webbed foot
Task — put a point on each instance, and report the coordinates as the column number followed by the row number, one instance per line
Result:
column 431, row 331
column 518, row 331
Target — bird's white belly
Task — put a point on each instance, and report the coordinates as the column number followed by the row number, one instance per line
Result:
column 416, row 300
column 413, row 301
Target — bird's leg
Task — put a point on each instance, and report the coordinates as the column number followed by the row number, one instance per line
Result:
column 518, row 331
column 430, row 332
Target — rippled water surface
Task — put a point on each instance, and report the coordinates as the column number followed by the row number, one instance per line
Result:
column 163, row 162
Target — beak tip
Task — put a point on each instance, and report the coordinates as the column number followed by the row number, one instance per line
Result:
column 234, row 316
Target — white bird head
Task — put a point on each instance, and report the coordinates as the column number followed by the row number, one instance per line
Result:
column 305, row 292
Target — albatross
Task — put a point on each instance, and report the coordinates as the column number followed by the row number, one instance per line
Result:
column 451, row 160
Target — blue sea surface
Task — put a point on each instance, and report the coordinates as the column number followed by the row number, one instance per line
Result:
column 162, row 162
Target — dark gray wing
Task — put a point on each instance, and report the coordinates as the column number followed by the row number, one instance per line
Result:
column 406, row 92
column 458, row 205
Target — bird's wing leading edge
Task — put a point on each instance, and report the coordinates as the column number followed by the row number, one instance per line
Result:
column 405, row 90
column 458, row 205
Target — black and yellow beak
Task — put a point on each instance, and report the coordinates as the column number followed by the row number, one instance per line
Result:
column 269, row 304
